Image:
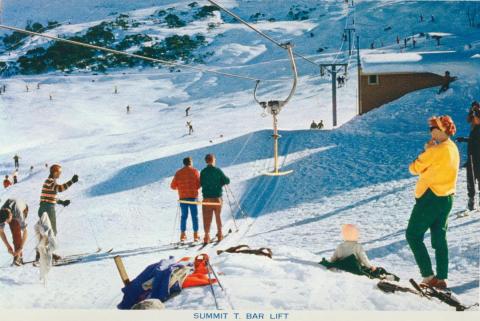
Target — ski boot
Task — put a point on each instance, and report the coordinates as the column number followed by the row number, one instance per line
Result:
column 37, row 259
column 18, row 261
column 206, row 239
column 196, row 237
column 434, row 283
column 56, row 257
column 471, row 203
column 183, row 237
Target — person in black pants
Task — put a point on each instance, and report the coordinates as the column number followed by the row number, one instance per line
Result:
column 473, row 160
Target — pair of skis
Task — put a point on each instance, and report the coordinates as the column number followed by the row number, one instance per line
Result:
column 74, row 258
column 214, row 242
column 465, row 213
column 428, row 292
column 185, row 245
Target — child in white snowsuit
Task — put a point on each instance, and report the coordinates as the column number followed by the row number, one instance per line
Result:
column 350, row 257
column 351, row 246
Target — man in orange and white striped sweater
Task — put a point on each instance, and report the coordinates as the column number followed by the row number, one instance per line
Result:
column 48, row 197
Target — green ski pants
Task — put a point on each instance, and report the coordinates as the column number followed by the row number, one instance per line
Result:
column 430, row 212
column 50, row 209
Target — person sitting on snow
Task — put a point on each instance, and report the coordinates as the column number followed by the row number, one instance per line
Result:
column 351, row 257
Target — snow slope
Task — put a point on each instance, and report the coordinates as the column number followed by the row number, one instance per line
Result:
column 356, row 173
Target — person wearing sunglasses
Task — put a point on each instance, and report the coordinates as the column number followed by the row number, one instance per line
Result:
column 437, row 168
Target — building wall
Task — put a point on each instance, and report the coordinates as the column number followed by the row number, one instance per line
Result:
column 393, row 86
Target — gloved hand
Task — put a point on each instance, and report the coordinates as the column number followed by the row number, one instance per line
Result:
column 65, row 203
column 75, row 178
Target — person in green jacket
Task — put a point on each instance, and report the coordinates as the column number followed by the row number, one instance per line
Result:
column 212, row 180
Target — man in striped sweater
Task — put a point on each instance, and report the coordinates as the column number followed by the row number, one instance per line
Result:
column 48, row 197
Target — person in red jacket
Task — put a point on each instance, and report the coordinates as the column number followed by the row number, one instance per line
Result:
column 6, row 182
column 187, row 182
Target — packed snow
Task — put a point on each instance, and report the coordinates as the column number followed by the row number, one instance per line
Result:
column 354, row 173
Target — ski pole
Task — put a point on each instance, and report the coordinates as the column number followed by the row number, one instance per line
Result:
column 231, row 210
column 211, row 285
column 175, row 225
column 215, row 275
column 244, row 214
column 227, row 297
column 94, row 234
column 91, row 228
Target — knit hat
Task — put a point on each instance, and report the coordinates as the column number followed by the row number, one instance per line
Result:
column 350, row 232
column 444, row 123
column 54, row 168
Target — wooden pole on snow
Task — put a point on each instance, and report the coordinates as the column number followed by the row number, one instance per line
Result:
column 121, row 270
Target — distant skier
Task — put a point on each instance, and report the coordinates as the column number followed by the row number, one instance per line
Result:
column 115, row 90
column 128, row 109
column 405, row 42
column 38, row 86
column 313, row 125
column 50, row 97
column 432, row 18
column 187, row 182
column 26, row 87
column 16, row 161
column 14, row 213
column 437, row 168
column 398, row 40
column 15, row 176
column 31, row 169
column 414, row 42
column 340, row 81
column 320, row 124
column 6, row 182
column 190, row 127
column 473, row 155
column 421, row 17
column 447, row 79
column 212, row 180
column 372, row 45
column 187, row 110
column 48, row 197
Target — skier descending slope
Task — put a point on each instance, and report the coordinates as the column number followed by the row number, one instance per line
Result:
column 48, row 198
column 16, row 161
column 437, row 167
column 473, row 161
column 187, row 182
column 212, row 179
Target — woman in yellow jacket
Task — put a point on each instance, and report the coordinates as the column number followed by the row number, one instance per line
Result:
column 437, row 167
